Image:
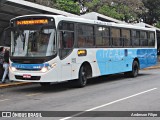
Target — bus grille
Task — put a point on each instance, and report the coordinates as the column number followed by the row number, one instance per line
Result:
column 32, row 77
column 28, row 69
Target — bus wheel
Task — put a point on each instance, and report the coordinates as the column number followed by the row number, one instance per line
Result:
column 45, row 84
column 82, row 81
column 135, row 70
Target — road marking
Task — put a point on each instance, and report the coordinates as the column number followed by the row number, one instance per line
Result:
column 104, row 105
column 4, row 100
column 33, row 94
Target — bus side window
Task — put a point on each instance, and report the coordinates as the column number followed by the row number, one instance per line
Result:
column 143, row 38
column 66, row 39
column 151, row 41
column 116, row 41
column 66, row 43
column 69, row 41
column 135, row 38
column 126, row 37
column 62, row 40
column 85, row 35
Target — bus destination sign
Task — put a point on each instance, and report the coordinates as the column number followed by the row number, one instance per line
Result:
column 32, row 22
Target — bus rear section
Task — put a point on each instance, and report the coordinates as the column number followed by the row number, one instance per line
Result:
column 128, row 60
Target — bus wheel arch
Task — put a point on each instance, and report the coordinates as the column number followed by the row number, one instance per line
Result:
column 85, row 72
column 135, row 69
column 136, row 59
column 87, row 65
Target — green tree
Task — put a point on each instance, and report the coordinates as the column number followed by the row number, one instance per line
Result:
column 119, row 9
column 123, row 11
column 110, row 11
column 71, row 6
column 152, row 14
column 68, row 6
column 157, row 24
column 93, row 5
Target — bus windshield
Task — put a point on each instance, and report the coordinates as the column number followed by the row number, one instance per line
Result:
column 33, row 43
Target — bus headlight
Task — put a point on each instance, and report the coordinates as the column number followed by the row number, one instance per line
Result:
column 44, row 69
column 13, row 69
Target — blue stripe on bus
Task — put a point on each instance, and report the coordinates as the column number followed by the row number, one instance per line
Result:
column 120, row 60
column 147, row 57
column 29, row 66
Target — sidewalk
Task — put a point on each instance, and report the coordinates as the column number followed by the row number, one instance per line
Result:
column 14, row 83
column 157, row 66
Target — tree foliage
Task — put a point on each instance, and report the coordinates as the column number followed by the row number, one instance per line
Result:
column 110, row 11
column 157, row 24
column 152, row 14
column 71, row 6
column 126, row 10
column 68, row 6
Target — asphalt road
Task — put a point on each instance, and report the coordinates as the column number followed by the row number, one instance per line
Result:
column 108, row 93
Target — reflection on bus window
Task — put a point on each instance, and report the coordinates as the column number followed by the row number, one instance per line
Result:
column 66, row 42
column 34, row 42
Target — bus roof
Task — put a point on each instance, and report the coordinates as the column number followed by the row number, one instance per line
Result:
column 88, row 21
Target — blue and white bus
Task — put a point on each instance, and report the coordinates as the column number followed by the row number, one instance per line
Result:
column 54, row 48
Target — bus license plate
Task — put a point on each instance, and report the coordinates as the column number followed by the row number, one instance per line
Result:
column 26, row 76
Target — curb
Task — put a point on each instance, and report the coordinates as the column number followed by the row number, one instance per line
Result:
column 14, row 84
column 150, row 68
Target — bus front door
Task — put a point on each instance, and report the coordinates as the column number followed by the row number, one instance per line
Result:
column 66, row 68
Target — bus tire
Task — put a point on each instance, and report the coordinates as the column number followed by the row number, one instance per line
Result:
column 82, row 80
column 135, row 70
column 45, row 84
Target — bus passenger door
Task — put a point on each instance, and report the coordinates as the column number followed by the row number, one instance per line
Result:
column 66, row 68
column 66, row 46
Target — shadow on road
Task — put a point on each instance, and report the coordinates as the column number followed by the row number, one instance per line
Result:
column 60, row 87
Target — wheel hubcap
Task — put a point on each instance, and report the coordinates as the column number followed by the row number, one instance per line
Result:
column 135, row 70
column 84, row 76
